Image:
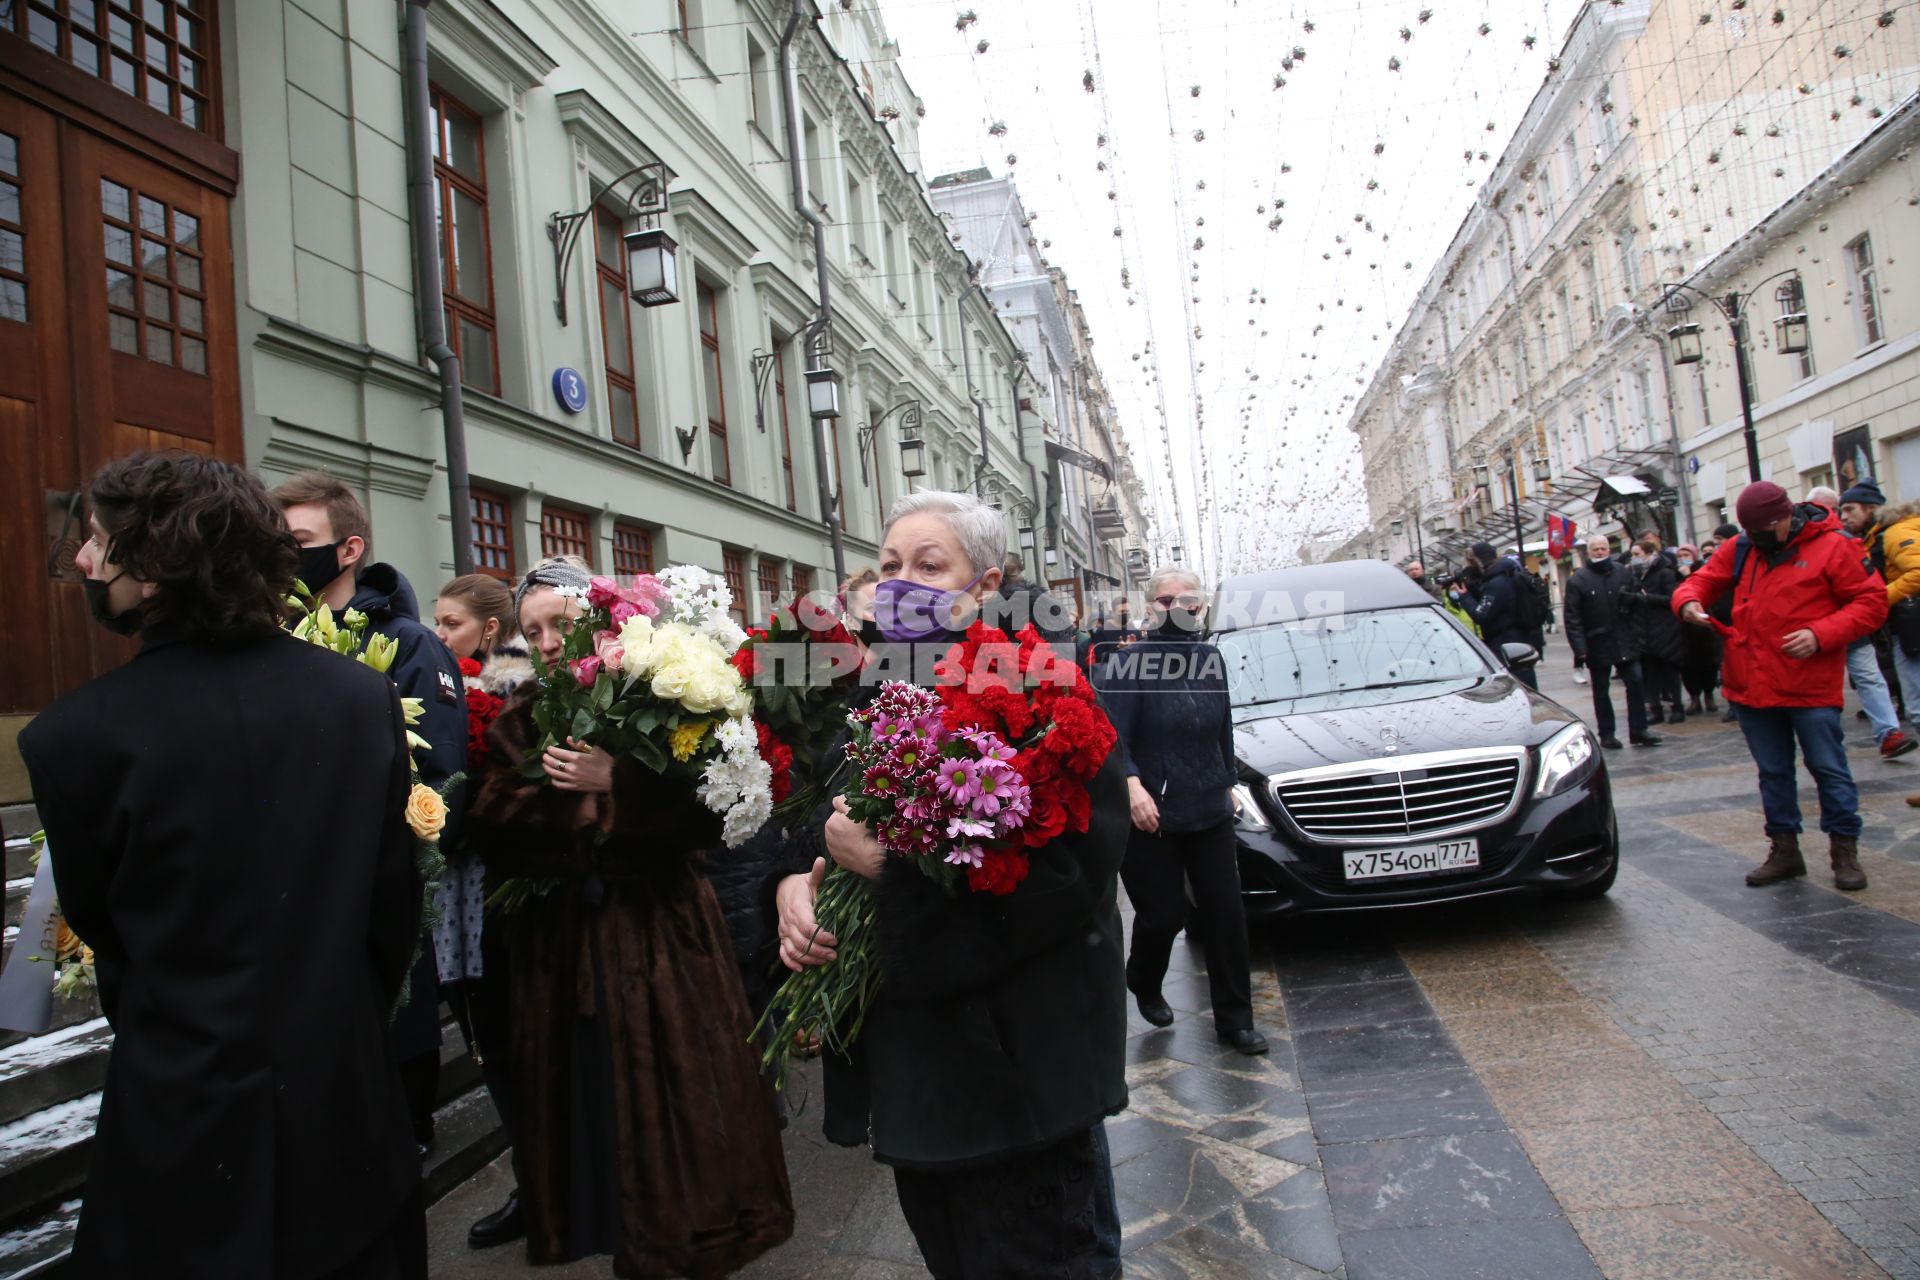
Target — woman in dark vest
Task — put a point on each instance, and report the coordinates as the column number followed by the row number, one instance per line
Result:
column 1167, row 696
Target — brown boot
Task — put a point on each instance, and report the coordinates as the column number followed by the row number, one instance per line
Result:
column 1783, row 861
column 1845, row 852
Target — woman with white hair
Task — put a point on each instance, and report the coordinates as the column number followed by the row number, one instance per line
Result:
column 997, row 1044
column 1167, row 697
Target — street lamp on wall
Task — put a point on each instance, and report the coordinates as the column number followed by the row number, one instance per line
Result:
column 1794, row 339
column 1542, row 472
column 653, row 263
column 913, row 458
column 1791, row 333
column 1398, row 526
column 1480, row 475
column 823, row 394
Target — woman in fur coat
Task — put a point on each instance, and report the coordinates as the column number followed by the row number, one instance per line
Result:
column 474, row 618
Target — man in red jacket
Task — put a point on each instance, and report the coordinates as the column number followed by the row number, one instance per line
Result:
column 1800, row 597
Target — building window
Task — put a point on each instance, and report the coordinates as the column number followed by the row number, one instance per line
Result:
column 1706, row 404
column 163, row 58
column 13, row 234
column 855, row 224
column 565, row 533
column 1570, row 161
column 685, row 9
column 1643, row 385
column 460, row 198
column 492, row 534
column 632, row 549
column 1591, row 270
column 711, row 359
column 1544, row 338
column 756, row 85
column 1630, row 258
column 1563, row 299
column 734, row 562
column 1546, row 191
column 1865, row 290
column 616, row 329
column 810, row 152
column 786, row 421
column 769, row 574
column 156, row 291
column 802, row 580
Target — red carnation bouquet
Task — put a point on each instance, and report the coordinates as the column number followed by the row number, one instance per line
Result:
column 803, row 666
column 966, row 781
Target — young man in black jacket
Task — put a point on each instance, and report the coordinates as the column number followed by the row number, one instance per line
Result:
column 1499, row 611
column 336, row 543
column 253, row 1121
column 1600, row 601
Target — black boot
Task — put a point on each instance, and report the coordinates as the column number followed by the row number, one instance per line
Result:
column 503, row 1226
column 1154, row 1007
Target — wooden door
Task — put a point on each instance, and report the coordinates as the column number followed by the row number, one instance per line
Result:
column 116, row 334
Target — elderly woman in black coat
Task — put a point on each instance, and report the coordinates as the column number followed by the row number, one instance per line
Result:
column 997, row 1044
column 1662, row 646
column 1167, row 696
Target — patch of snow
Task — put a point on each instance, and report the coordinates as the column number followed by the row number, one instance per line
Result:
column 21, row 885
column 56, row 1046
column 55, row 1226
column 60, row 1125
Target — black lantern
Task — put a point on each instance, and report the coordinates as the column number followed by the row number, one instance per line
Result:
column 823, row 394
column 1026, row 537
column 653, row 266
column 1686, row 344
column 1542, row 472
column 1791, row 334
column 1398, row 526
column 1480, row 474
column 913, row 458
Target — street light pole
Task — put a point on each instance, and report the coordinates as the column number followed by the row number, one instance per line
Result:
column 1513, row 483
column 1733, row 306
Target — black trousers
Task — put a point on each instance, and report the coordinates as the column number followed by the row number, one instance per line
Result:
column 398, row 1253
column 1602, row 674
column 1036, row 1217
column 1662, row 681
column 1157, row 869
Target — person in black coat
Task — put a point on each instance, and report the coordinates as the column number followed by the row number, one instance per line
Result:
column 997, row 1044
column 1498, row 611
column 335, row 540
column 1167, row 697
column 253, row 1122
column 1600, row 627
column 1662, row 645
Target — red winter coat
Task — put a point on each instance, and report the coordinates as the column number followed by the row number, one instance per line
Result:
column 1816, row 583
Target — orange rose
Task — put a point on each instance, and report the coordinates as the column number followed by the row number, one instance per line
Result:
column 66, row 943
column 426, row 812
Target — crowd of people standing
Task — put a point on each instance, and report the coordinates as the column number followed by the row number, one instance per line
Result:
column 257, row 925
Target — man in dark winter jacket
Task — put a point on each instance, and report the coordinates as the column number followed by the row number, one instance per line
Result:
column 1655, row 576
column 1600, row 600
column 335, row 540
column 1800, row 597
column 1499, row 610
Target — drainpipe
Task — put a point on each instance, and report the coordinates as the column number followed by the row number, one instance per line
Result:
column 427, row 276
column 1673, row 445
column 979, row 405
column 796, row 170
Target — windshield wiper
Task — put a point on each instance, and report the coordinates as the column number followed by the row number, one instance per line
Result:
column 1358, row 688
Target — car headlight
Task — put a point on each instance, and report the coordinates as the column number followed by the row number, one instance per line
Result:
column 1564, row 759
column 1247, row 815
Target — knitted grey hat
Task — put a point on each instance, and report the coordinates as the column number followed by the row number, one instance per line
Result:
column 560, row 571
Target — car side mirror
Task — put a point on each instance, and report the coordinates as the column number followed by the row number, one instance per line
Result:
column 1519, row 655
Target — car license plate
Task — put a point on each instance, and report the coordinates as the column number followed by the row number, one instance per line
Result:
column 1414, row 860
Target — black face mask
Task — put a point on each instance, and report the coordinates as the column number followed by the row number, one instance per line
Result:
column 319, row 566
column 1765, row 541
column 870, row 632
column 121, row 624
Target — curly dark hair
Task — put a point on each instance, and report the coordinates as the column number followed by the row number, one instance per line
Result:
column 206, row 533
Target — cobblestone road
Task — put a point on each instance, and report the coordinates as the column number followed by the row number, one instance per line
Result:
column 1689, row 1078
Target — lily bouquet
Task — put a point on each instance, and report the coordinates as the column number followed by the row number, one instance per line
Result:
column 647, row 674
column 426, row 812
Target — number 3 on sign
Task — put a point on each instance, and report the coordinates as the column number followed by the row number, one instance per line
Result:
column 570, row 389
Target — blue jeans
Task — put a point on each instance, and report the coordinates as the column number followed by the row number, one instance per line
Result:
column 1770, row 733
column 1863, row 668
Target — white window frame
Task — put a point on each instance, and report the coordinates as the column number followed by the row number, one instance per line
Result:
column 1864, row 273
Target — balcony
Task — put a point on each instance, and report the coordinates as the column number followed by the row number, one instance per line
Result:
column 1107, row 520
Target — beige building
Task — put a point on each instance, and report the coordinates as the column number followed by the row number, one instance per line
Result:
column 1849, row 405
column 1536, row 346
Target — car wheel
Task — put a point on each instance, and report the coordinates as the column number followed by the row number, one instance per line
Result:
column 1594, row 888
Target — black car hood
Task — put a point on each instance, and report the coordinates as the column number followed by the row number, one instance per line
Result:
column 1372, row 724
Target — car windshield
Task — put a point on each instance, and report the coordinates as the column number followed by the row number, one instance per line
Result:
column 1318, row 656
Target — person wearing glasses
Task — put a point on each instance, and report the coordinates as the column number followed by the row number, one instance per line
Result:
column 1167, row 698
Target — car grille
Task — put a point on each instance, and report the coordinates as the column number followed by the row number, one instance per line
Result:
column 1399, row 803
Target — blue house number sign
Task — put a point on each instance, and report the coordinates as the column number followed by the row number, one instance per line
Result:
column 570, row 389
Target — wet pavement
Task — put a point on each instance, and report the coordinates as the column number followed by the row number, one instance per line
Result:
column 1688, row 1078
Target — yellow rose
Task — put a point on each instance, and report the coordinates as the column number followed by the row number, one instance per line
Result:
column 426, row 812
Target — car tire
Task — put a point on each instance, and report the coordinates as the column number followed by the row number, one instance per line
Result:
column 1596, row 888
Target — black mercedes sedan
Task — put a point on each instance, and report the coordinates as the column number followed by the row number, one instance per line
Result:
column 1388, row 758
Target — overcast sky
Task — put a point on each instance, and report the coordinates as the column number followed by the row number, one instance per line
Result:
column 1235, row 404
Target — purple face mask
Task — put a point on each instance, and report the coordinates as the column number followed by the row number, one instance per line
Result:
column 907, row 611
